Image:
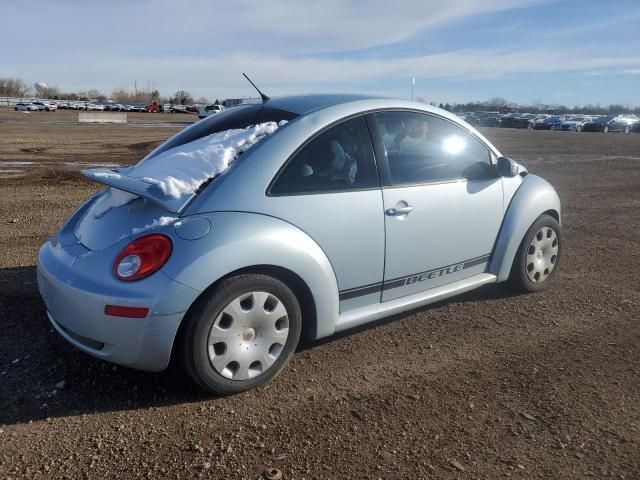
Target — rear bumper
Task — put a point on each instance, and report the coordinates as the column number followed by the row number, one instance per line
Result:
column 75, row 307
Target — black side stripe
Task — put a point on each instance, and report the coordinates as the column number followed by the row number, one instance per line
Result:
column 359, row 291
column 409, row 279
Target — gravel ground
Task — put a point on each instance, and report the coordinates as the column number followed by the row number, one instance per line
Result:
column 491, row 384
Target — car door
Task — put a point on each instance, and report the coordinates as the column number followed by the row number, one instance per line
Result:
column 443, row 201
column 330, row 190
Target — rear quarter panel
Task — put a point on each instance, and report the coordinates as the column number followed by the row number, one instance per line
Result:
column 239, row 240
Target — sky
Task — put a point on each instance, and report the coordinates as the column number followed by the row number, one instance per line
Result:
column 569, row 52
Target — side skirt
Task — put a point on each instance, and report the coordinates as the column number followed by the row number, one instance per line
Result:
column 377, row 311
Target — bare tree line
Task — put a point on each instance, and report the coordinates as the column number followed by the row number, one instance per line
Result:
column 503, row 105
column 16, row 87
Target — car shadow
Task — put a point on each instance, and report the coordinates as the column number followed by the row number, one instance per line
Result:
column 42, row 376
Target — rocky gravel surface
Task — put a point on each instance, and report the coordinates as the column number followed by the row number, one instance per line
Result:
column 491, row 384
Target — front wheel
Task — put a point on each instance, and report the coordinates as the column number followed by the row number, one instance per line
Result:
column 538, row 257
column 606, row 129
column 242, row 334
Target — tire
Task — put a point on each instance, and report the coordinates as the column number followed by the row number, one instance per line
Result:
column 579, row 128
column 627, row 129
column 218, row 349
column 606, row 129
column 553, row 128
column 538, row 256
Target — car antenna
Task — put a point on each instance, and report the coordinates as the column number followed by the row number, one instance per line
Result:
column 265, row 99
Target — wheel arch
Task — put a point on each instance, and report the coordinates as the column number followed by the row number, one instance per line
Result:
column 534, row 197
column 297, row 285
column 243, row 242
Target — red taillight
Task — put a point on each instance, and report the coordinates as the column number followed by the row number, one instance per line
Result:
column 142, row 257
column 131, row 312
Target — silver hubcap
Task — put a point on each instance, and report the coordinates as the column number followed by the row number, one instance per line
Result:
column 248, row 336
column 542, row 255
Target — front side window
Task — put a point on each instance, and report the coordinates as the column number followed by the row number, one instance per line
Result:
column 423, row 148
column 338, row 159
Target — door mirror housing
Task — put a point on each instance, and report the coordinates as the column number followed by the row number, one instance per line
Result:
column 507, row 167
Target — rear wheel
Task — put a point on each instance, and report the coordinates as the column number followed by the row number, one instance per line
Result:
column 242, row 334
column 538, row 257
column 606, row 129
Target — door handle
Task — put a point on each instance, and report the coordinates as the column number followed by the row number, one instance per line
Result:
column 396, row 212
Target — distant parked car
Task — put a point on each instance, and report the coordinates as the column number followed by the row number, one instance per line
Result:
column 517, row 121
column 635, row 126
column 486, row 119
column 154, row 107
column 551, row 122
column 575, row 124
column 621, row 123
column 210, row 110
column 41, row 106
column 24, row 107
column 183, row 109
column 598, row 124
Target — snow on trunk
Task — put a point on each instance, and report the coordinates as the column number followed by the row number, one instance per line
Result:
column 176, row 172
column 183, row 169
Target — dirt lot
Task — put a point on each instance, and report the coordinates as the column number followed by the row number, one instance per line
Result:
column 489, row 385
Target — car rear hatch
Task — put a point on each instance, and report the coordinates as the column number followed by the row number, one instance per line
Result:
column 129, row 207
column 153, row 193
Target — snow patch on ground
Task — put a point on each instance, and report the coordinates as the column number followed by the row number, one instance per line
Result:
column 183, row 169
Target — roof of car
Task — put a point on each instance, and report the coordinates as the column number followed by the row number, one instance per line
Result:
column 302, row 104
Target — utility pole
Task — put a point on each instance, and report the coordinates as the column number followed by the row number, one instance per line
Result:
column 413, row 84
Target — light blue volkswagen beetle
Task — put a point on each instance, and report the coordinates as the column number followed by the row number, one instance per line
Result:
column 304, row 215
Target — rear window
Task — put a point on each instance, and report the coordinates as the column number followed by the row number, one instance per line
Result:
column 233, row 118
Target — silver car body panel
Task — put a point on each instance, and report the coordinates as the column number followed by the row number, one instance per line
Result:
column 447, row 237
column 459, row 237
column 240, row 240
column 534, row 197
column 381, row 310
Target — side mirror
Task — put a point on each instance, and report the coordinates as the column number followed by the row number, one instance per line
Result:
column 507, row 167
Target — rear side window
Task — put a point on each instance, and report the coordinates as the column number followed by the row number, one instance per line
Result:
column 423, row 148
column 339, row 159
column 233, row 118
